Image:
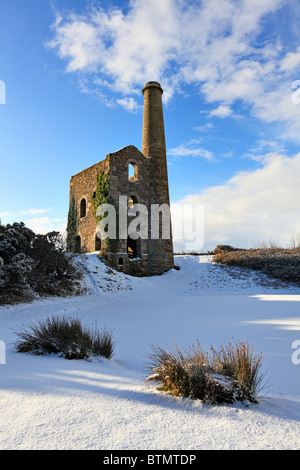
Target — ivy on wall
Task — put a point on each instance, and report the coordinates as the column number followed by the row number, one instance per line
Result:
column 102, row 196
column 72, row 226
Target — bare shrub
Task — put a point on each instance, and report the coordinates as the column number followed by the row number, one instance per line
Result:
column 294, row 241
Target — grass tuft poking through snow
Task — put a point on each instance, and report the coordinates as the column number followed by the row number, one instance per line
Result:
column 66, row 337
column 227, row 375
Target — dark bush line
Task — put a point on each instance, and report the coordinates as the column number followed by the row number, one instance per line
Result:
column 193, row 253
column 66, row 337
column 225, row 249
column 32, row 264
column 279, row 263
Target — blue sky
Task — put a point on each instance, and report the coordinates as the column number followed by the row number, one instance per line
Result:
column 73, row 73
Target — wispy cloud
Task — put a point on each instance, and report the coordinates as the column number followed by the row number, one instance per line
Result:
column 39, row 224
column 264, row 150
column 204, row 128
column 224, row 47
column 128, row 103
column 35, row 211
column 221, row 111
column 191, row 149
column 291, row 61
column 44, row 225
column 6, row 214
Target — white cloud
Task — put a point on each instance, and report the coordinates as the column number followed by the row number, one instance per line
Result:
column 190, row 149
column 35, row 211
column 291, row 61
column 6, row 214
column 265, row 150
column 216, row 45
column 44, row 225
column 38, row 224
column 221, row 111
column 128, row 103
column 205, row 128
column 254, row 206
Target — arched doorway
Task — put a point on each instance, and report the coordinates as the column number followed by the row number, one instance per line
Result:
column 78, row 244
column 133, row 248
column 97, row 242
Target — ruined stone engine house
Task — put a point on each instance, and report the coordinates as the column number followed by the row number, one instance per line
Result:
column 141, row 177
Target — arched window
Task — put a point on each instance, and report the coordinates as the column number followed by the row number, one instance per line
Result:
column 133, row 172
column 82, row 208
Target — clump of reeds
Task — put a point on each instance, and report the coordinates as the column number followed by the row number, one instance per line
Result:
column 66, row 337
column 229, row 374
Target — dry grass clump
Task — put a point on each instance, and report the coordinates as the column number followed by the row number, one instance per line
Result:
column 66, row 337
column 279, row 263
column 227, row 375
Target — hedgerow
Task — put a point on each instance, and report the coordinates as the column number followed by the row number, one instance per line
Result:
column 279, row 263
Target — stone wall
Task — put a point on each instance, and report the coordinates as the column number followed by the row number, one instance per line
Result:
column 137, row 188
column 147, row 185
column 82, row 186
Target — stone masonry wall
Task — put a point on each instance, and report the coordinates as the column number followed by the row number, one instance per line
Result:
column 83, row 185
column 148, row 185
column 136, row 187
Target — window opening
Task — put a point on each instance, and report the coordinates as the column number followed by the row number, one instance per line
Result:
column 133, row 248
column 82, row 208
column 133, row 172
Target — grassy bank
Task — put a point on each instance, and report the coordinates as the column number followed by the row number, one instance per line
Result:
column 279, row 263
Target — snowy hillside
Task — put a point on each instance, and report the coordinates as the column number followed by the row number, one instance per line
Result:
column 51, row 403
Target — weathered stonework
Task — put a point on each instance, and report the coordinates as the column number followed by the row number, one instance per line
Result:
column 154, row 148
column 148, row 185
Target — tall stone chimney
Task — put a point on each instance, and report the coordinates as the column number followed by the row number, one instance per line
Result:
column 160, row 251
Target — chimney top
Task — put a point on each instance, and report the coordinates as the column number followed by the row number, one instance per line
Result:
column 152, row 85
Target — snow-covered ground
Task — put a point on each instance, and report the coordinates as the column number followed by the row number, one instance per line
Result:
column 48, row 402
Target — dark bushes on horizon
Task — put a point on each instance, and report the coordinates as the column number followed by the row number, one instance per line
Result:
column 33, row 264
column 279, row 263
